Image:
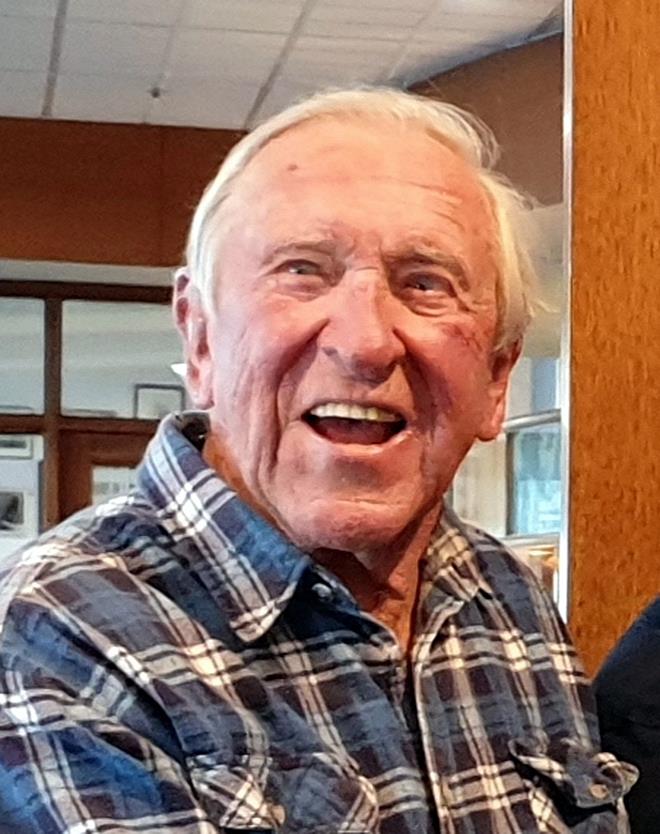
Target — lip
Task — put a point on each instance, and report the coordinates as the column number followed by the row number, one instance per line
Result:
column 356, row 451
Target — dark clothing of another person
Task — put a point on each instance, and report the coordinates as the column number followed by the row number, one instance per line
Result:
column 628, row 695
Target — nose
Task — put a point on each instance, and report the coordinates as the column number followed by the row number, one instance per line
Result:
column 360, row 335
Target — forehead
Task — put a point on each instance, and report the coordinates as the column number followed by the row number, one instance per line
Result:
column 345, row 167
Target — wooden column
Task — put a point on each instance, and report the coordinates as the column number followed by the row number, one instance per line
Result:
column 615, row 354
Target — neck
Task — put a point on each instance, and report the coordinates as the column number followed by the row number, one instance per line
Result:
column 386, row 582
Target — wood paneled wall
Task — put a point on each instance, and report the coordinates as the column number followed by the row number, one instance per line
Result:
column 124, row 194
column 102, row 193
column 519, row 94
column 615, row 396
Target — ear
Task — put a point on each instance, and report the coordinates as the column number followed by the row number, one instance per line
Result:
column 191, row 321
column 502, row 363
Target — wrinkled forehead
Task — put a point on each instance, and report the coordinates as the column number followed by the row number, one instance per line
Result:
column 351, row 147
column 348, row 167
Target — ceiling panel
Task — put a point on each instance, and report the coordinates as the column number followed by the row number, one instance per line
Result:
column 204, row 102
column 283, row 93
column 332, row 61
column 112, row 49
column 28, row 8
column 352, row 20
column 25, row 43
column 506, row 8
column 422, row 60
column 124, row 98
column 154, row 12
column 253, row 16
column 224, row 54
column 497, row 27
column 213, row 59
column 22, row 93
column 411, row 5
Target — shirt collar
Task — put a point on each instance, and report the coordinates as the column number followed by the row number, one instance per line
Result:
column 451, row 575
column 247, row 565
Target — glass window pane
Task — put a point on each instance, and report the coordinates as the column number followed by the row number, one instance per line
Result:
column 21, row 457
column 21, row 356
column 534, row 386
column 479, row 487
column 117, row 356
column 536, row 481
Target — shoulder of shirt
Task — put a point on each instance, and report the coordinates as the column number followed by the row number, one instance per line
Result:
column 95, row 539
column 509, row 578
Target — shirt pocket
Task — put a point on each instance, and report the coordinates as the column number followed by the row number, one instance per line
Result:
column 315, row 794
column 570, row 785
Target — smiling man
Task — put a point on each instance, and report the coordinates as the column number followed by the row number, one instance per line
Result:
column 283, row 628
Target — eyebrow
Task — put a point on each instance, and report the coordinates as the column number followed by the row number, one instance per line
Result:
column 323, row 246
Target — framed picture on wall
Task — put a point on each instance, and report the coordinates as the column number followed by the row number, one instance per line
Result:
column 153, row 401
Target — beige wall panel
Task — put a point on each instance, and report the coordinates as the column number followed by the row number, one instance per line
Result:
column 615, row 396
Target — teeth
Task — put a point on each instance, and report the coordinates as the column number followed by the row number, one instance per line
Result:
column 352, row 411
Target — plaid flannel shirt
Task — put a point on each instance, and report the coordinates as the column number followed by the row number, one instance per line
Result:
column 170, row 663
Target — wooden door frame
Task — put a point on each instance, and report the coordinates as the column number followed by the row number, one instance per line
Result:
column 80, row 451
column 52, row 423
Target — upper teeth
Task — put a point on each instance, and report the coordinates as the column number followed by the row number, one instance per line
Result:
column 354, row 412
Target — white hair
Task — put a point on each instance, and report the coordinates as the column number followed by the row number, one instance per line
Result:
column 462, row 132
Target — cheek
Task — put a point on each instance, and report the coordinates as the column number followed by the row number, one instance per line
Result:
column 258, row 351
column 455, row 363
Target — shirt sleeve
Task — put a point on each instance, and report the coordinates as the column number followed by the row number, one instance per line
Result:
column 81, row 749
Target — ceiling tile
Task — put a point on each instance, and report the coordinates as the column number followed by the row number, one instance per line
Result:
column 487, row 15
column 282, row 94
column 154, row 12
column 223, row 54
column 28, row 8
column 203, row 103
column 506, row 8
column 253, row 16
column 101, row 98
column 332, row 61
column 422, row 61
column 351, row 20
column 25, row 43
column 22, row 93
column 377, row 6
column 112, row 48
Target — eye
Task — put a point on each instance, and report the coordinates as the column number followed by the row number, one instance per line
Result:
column 301, row 267
column 429, row 282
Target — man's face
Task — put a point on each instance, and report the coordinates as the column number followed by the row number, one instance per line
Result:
column 348, row 355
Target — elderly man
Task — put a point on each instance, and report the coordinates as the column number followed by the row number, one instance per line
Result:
column 282, row 629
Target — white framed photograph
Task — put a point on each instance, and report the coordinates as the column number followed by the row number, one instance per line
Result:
column 153, row 402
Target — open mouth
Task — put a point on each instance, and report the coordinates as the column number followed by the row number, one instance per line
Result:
column 351, row 423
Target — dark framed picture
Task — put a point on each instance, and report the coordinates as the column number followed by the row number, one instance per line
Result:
column 12, row 510
column 153, row 401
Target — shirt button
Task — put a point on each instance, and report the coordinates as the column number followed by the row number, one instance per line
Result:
column 278, row 814
column 323, row 592
column 599, row 791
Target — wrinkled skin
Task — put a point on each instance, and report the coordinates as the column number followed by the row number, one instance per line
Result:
column 354, row 262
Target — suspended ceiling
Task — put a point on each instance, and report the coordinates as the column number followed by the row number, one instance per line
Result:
column 231, row 63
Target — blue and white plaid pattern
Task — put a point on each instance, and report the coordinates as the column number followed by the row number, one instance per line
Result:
column 170, row 663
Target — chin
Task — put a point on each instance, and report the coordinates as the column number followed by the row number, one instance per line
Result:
column 353, row 526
